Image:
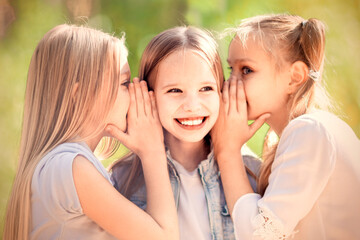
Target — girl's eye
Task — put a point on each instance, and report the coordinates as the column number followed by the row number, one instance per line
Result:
column 230, row 69
column 126, row 83
column 246, row 70
column 174, row 90
column 206, row 89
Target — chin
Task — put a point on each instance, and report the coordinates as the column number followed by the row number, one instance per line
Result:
column 252, row 116
column 190, row 138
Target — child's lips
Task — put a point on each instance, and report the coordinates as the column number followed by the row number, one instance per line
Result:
column 191, row 123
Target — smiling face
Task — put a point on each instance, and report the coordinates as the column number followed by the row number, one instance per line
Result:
column 266, row 87
column 187, row 96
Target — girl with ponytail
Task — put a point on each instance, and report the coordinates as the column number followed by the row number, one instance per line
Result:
column 308, row 186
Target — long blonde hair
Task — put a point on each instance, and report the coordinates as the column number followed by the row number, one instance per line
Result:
column 289, row 38
column 67, row 57
column 161, row 46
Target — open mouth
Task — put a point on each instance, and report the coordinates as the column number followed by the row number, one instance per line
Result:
column 191, row 122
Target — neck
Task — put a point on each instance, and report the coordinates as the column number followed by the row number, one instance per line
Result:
column 188, row 154
column 279, row 120
column 92, row 142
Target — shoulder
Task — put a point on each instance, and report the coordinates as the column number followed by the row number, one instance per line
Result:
column 250, row 159
column 308, row 138
column 121, row 166
column 61, row 157
column 120, row 170
column 53, row 180
column 313, row 126
column 253, row 163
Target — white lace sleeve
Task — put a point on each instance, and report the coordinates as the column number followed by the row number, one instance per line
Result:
column 303, row 164
column 269, row 227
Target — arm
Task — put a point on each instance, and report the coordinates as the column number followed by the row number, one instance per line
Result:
column 116, row 214
column 302, row 167
column 303, row 164
column 228, row 142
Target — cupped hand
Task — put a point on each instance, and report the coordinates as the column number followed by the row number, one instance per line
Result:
column 231, row 130
column 144, row 131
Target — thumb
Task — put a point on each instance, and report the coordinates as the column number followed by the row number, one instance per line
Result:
column 258, row 123
column 115, row 132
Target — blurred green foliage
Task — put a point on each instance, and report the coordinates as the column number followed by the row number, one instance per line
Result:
column 141, row 20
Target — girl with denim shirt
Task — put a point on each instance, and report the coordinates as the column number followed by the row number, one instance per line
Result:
column 181, row 65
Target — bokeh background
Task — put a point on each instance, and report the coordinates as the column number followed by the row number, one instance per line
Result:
column 23, row 23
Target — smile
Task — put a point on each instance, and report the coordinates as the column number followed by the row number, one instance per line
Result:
column 191, row 122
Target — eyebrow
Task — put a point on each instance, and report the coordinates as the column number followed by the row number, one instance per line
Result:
column 127, row 73
column 170, row 85
column 240, row 60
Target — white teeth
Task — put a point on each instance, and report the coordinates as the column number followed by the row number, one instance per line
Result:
column 191, row 122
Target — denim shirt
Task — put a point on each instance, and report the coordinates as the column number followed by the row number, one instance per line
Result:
column 221, row 225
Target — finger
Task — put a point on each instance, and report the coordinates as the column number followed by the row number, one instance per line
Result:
column 145, row 93
column 139, row 98
column 153, row 105
column 232, row 94
column 241, row 98
column 132, row 107
column 258, row 123
column 115, row 132
column 225, row 96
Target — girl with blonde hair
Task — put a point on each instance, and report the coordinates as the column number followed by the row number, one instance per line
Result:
column 78, row 91
column 183, row 68
column 309, row 181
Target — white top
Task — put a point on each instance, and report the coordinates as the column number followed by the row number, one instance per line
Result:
column 193, row 214
column 56, row 210
column 314, row 186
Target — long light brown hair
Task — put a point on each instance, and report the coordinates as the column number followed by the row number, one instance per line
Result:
column 67, row 57
column 161, row 46
column 289, row 38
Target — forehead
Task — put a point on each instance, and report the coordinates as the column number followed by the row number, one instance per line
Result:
column 124, row 66
column 251, row 48
column 125, row 69
column 184, row 65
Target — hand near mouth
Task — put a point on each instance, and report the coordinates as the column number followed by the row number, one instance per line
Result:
column 144, row 133
column 231, row 130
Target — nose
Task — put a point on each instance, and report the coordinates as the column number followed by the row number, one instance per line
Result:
column 192, row 103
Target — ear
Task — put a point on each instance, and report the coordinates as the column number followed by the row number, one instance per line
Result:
column 299, row 74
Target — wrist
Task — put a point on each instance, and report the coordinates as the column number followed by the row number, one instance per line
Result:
column 227, row 152
column 151, row 154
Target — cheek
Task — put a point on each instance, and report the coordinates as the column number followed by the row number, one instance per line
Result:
column 213, row 104
column 123, row 100
column 163, row 109
column 252, row 91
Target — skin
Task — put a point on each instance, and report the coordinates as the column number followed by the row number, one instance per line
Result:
column 117, row 115
column 116, row 214
column 187, row 99
column 256, row 90
column 266, row 87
